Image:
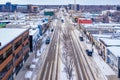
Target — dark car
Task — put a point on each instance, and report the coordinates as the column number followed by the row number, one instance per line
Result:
column 89, row 52
column 62, row 21
column 81, row 38
column 47, row 40
column 52, row 30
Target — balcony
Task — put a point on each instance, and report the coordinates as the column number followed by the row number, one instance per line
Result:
column 25, row 50
column 17, row 39
column 18, row 60
column 7, row 74
column 5, row 62
column 18, row 49
column 26, row 41
column 3, row 50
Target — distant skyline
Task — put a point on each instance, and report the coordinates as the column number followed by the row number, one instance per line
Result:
column 63, row 2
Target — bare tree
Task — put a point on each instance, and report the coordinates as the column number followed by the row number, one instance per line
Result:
column 67, row 57
column 67, row 60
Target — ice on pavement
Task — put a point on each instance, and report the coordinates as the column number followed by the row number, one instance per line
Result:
column 28, row 74
column 32, row 66
column 35, row 60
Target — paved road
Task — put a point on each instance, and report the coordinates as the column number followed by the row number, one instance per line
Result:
column 49, row 69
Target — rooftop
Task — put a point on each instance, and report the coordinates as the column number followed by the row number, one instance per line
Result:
column 110, row 42
column 115, row 51
column 33, row 31
column 9, row 34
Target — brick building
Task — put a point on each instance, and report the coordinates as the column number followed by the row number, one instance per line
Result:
column 14, row 49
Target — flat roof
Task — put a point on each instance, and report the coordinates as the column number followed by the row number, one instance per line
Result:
column 110, row 42
column 9, row 34
column 102, row 25
column 115, row 51
column 102, row 35
column 33, row 31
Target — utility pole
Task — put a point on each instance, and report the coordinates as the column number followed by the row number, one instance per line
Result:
column 74, row 5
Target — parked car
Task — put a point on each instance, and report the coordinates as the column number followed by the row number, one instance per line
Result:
column 62, row 20
column 81, row 38
column 89, row 52
column 47, row 40
column 52, row 30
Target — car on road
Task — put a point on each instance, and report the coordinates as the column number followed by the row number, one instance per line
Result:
column 89, row 52
column 62, row 20
column 47, row 40
column 52, row 30
column 81, row 38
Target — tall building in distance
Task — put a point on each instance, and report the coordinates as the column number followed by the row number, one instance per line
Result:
column 77, row 7
column 73, row 6
column 118, row 7
column 8, row 7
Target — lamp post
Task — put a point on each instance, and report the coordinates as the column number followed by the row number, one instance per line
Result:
column 74, row 5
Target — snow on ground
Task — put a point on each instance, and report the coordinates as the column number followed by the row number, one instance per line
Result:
column 43, row 46
column 62, row 74
column 40, row 51
column 32, row 66
column 28, row 74
column 35, row 60
column 105, row 68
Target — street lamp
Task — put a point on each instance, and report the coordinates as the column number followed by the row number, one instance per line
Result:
column 74, row 5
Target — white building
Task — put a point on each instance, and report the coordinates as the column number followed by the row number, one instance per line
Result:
column 105, row 43
column 113, row 55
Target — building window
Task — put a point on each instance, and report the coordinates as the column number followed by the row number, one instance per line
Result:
column 17, row 44
column 108, row 52
column 1, row 58
column 9, row 51
column 25, row 37
column 5, row 55
column 6, row 69
column 18, row 55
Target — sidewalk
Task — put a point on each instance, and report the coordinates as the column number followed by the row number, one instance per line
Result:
column 24, row 69
column 103, row 67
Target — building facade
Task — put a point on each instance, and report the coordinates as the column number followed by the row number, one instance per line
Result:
column 13, row 52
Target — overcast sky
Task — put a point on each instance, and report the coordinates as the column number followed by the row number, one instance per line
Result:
column 59, row 2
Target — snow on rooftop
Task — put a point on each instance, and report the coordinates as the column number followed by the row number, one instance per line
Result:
column 48, row 9
column 102, row 35
column 9, row 34
column 115, row 51
column 102, row 25
column 105, row 11
column 111, row 42
column 33, row 31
